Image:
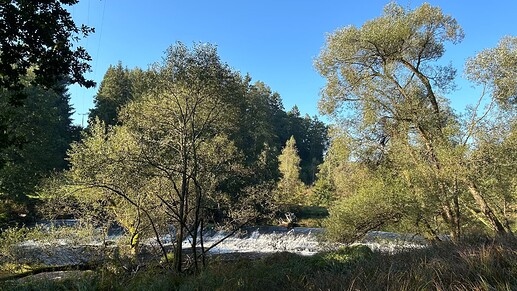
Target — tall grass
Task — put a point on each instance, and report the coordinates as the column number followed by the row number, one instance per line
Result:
column 490, row 266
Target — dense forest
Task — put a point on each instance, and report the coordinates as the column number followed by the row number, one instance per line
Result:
column 193, row 144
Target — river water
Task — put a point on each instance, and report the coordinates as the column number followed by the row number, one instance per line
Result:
column 256, row 240
column 302, row 240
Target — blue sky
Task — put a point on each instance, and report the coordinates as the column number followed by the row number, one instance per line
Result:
column 275, row 41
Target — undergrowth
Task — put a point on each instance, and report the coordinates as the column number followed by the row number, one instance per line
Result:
column 491, row 266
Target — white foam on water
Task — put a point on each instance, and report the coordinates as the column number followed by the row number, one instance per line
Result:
column 265, row 240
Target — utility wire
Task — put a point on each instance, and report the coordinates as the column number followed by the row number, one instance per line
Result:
column 100, row 35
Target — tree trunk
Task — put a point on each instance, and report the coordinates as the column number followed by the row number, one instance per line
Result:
column 178, row 252
column 451, row 213
column 457, row 216
column 496, row 224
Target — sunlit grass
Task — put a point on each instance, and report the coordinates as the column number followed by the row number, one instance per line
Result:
column 440, row 267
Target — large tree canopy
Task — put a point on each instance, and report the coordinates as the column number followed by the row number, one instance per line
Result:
column 384, row 85
column 41, row 34
column 170, row 160
column 388, row 62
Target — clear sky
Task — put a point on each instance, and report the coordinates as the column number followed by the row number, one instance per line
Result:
column 275, row 41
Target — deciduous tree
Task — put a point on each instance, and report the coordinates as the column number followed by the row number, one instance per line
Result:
column 170, row 160
column 384, row 74
column 41, row 34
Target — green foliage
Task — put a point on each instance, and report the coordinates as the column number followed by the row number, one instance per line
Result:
column 171, row 159
column 343, row 258
column 356, row 61
column 266, row 126
column 115, row 91
column 257, row 122
column 311, row 137
column 383, row 86
column 171, row 134
column 9, row 240
column 495, row 69
column 489, row 164
column 56, row 198
column 37, row 59
column 333, row 177
column 290, row 187
column 71, row 280
column 281, row 271
column 260, row 133
column 41, row 34
column 375, row 203
column 118, row 88
column 40, row 132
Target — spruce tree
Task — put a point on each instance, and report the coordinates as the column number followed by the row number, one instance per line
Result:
column 114, row 92
column 290, row 187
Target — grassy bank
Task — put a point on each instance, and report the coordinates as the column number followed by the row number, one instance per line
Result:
column 490, row 266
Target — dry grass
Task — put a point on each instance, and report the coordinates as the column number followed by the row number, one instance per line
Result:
column 491, row 266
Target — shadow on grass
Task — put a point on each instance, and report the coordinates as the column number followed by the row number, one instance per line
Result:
column 490, row 266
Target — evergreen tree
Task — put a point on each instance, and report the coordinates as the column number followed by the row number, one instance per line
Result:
column 37, row 38
column 311, row 136
column 42, row 129
column 114, row 92
column 290, row 187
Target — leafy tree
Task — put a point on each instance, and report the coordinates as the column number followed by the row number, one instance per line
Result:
column 290, row 187
column 383, row 73
column 257, row 136
column 495, row 69
column 37, row 56
column 317, row 143
column 490, row 133
column 491, row 165
column 333, row 179
column 40, row 34
column 141, row 81
column 350, row 219
column 170, row 160
column 262, row 109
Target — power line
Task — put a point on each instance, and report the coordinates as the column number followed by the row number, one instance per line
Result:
column 100, row 35
column 82, row 120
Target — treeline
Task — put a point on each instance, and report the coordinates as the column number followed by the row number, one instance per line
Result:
column 193, row 144
column 41, row 131
column 260, row 121
column 188, row 143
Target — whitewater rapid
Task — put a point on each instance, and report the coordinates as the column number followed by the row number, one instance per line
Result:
column 249, row 240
